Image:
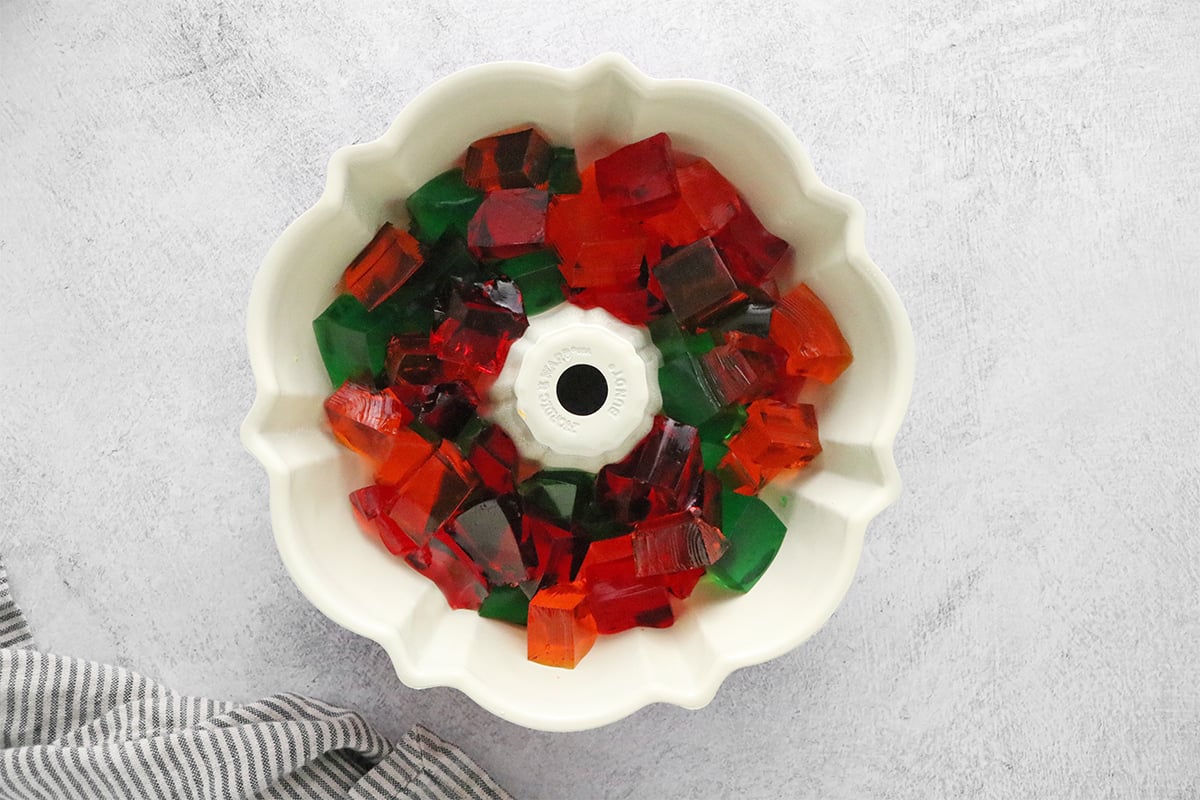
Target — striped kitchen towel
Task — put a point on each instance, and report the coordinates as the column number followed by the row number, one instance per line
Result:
column 75, row 729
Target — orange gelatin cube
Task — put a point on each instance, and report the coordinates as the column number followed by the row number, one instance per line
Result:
column 776, row 436
column 561, row 629
column 803, row 326
column 383, row 266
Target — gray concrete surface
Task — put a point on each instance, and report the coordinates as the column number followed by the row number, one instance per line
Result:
column 1026, row 620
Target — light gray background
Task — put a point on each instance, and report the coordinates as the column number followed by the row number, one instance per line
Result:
column 1025, row 621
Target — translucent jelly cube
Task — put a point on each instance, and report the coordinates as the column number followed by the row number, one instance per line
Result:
column 561, row 628
column 383, row 266
column 520, row 159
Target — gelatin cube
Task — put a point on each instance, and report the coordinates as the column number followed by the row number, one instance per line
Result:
column 446, row 408
column 576, row 221
column 682, row 584
column 675, row 543
column 659, row 474
column 697, row 285
column 687, row 395
column 619, row 598
column 493, row 455
column 777, row 436
column 520, row 159
column 364, row 419
column 444, row 203
column 749, row 249
column 479, row 324
column 558, row 552
column 564, row 173
column 561, row 628
column 371, row 506
column 755, row 535
column 632, row 306
column 353, row 343
column 712, row 454
column 672, row 340
column 509, row 222
column 724, row 425
column 804, row 328
column 767, row 359
column 707, row 202
column 608, row 264
column 506, row 603
column 558, row 494
column 445, row 563
column 491, row 533
column 432, row 492
column 539, row 279
column 639, row 179
column 410, row 359
column 732, row 377
column 383, row 266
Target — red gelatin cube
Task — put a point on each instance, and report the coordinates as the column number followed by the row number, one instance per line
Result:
column 730, row 374
column 411, row 359
column 520, row 159
column 707, row 202
column 610, row 264
column 372, row 506
column 432, row 492
column 639, row 179
column 491, row 533
column 448, row 407
column 669, row 457
column 682, row 584
column 494, row 457
column 383, row 266
column 509, row 222
column 579, row 221
column 619, row 598
column 445, row 563
column 633, row 306
column 697, row 285
column 804, row 328
column 751, row 251
column 675, row 543
column 561, row 629
column 481, row 321
column 557, row 550
column 776, row 436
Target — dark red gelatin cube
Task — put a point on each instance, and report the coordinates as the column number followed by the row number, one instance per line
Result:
column 479, row 324
column 751, row 251
column 707, row 202
column 697, row 284
column 494, row 457
column 509, row 222
column 675, row 543
column 516, row 160
column 639, row 179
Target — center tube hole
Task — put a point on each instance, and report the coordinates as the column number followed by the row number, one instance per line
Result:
column 582, row 389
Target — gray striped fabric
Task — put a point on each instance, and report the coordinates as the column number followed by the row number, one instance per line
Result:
column 75, row 729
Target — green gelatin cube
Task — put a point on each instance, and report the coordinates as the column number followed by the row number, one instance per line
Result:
column 564, row 172
column 539, row 279
column 672, row 340
column 712, row 453
column 686, row 394
column 507, row 603
column 560, row 494
column 723, row 425
column 443, row 204
column 353, row 342
column 754, row 534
